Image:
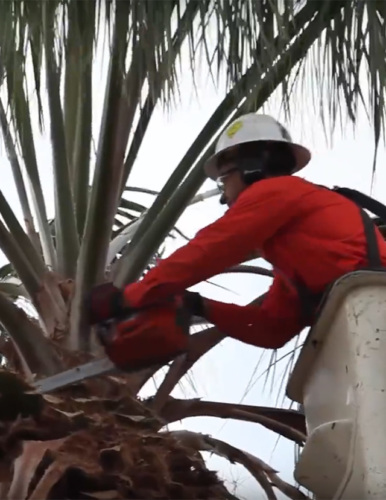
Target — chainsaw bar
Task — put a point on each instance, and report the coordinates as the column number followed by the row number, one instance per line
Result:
column 83, row 372
column 92, row 369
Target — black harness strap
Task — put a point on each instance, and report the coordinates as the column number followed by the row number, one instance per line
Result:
column 363, row 201
column 373, row 255
column 310, row 301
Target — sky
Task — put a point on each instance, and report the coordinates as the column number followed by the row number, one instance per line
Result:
column 232, row 372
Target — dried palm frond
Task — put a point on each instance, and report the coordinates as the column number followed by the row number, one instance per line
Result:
column 66, row 445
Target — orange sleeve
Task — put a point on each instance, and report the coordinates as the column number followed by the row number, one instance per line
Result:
column 269, row 325
column 260, row 211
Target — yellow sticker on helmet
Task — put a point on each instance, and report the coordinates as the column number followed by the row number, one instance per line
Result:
column 235, row 127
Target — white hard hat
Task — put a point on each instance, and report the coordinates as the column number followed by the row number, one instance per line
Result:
column 254, row 127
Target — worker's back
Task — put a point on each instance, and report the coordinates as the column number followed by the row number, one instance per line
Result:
column 324, row 237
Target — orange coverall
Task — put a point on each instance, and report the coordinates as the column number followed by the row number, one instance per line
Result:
column 303, row 230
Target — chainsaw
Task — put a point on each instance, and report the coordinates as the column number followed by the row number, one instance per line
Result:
column 145, row 338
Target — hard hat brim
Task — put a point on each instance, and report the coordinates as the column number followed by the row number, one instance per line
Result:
column 302, row 157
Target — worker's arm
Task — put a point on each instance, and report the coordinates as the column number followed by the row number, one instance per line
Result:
column 269, row 325
column 260, row 211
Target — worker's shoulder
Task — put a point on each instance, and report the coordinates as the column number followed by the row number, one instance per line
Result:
column 285, row 185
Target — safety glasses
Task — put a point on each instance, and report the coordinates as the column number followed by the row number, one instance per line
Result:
column 220, row 180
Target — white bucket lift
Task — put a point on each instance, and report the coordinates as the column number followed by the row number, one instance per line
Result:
column 340, row 379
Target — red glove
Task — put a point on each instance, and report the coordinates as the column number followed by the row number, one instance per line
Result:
column 105, row 302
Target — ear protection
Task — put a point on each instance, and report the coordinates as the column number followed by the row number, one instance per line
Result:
column 252, row 169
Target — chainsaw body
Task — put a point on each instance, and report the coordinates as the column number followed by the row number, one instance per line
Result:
column 154, row 335
column 144, row 338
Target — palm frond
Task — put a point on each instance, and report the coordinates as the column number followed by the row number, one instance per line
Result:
column 18, row 177
column 287, row 423
column 127, row 232
column 262, row 472
column 25, row 137
column 33, row 348
column 248, row 269
column 19, row 260
column 7, row 271
column 25, row 245
column 67, row 241
column 13, row 288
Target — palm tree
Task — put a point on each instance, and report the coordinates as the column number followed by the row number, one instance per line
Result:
column 98, row 439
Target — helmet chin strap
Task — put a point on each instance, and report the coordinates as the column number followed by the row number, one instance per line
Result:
column 223, row 200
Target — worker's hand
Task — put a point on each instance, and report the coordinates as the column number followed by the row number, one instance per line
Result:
column 194, row 303
column 105, row 302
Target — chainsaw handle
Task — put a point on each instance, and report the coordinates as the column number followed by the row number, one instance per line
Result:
column 105, row 330
column 104, row 334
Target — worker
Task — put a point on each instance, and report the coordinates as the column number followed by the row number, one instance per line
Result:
column 310, row 234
